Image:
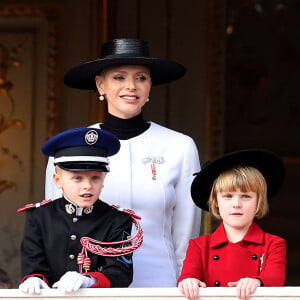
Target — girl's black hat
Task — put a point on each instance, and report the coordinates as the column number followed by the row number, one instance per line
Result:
column 268, row 163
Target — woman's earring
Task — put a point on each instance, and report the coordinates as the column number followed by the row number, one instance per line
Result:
column 101, row 97
column 148, row 99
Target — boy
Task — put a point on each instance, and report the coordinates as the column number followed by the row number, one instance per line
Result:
column 52, row 251
column 236, row 188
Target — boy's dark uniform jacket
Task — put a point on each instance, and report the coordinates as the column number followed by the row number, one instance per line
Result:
column 51, row 242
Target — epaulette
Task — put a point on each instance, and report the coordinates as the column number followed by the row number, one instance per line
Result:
column 127, row 211
column 34, row 205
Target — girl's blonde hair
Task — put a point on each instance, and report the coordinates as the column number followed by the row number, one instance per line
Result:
column 245, row 178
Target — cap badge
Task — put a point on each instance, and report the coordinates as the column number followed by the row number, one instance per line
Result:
column 91, row 137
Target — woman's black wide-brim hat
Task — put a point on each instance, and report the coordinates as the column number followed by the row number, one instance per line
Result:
column 124, row 51
column 268, row 163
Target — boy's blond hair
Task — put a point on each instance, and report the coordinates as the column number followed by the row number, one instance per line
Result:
column 247, row 179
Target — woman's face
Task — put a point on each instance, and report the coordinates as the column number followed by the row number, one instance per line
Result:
column 126, row 89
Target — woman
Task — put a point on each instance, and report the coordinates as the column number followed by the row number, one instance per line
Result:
column 155, row 165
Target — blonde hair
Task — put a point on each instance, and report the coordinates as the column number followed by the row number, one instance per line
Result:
column 247, row 179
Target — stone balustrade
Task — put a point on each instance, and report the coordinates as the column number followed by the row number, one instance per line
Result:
column 212, row 293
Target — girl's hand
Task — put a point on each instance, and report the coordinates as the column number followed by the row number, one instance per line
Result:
column 245, row 287
column 189, row 287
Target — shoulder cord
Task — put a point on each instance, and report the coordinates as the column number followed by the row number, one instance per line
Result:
column 93, row 246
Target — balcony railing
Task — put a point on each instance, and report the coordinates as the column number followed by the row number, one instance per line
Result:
column 213, row 293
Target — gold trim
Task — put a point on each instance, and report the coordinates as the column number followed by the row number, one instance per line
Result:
column 51, row 12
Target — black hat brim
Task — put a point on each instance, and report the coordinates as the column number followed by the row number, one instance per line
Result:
column 268, row 163
column 162, row 71
column 83, row 166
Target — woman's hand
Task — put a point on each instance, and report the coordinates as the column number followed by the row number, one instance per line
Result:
column 189, row 287
column 245, row 287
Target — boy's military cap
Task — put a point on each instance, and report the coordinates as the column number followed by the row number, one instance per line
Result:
column 82, row 149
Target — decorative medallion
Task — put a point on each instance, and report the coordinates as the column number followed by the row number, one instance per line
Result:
column 91, row 137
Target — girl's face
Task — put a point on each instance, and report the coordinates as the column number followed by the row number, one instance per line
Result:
column 237, row 209
column 81, row 188
column 126, row 89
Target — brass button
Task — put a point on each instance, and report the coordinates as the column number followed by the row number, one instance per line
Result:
column 75, row 220
column 71, row 256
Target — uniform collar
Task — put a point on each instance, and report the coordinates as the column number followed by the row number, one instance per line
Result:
column 254, row 235
column 72, row 208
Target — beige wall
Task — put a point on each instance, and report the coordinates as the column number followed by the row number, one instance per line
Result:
column 48, row 37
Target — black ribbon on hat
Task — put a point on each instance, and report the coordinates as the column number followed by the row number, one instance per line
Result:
column 126, row 48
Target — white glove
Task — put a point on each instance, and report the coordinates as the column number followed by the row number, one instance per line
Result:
column 72, row 281
column 33, row 285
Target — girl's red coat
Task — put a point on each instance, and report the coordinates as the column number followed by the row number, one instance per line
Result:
column 216, row 261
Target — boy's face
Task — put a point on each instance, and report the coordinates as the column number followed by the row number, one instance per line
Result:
column 237, row 209
column 82, row 188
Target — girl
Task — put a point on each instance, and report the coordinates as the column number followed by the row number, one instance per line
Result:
column 238, row 254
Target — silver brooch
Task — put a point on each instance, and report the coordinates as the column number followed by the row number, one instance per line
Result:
column 261, row 262
column 153, row 160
